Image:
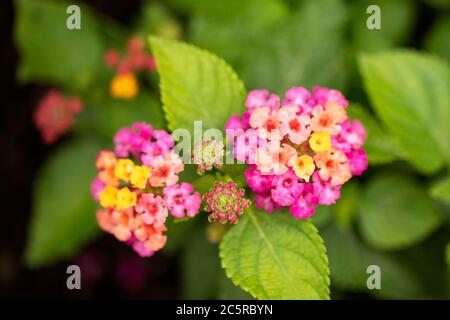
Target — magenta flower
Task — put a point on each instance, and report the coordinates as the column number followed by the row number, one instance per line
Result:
column 325, row 191
column 262, row 98
column 182, row 200
column 152, row 208
column 257, row 181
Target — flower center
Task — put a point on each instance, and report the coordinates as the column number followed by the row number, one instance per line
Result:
column 271, row 124
column 294, row 125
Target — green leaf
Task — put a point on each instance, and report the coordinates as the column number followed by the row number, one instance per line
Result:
column 397, row 20
column 349, row 259
column 276, row 257
column 411, row 94
column 396, row 212
column 200, row 267
column 441, row 190
column 305, row 50
column 52, row 53
column 380, row 146
column 63, row 210
column 196, row 85
column 438, row 38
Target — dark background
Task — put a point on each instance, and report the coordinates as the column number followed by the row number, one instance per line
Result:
column 104, row 263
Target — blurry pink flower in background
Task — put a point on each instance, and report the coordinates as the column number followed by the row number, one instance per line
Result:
column 55, row 115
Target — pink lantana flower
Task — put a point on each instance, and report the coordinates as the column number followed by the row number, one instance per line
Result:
column 165, row 169
column 182, row 200
column 351, row 136
column 264, row 201
column 284, row 188
column 333, row 165
column 325, row 191
column 323, row 95
column 328, row 118
column 358, row 161
column 266, row 122
column 152, row 209
column 306, row 201
column 257, row 181
column 262, row 98
column 294, row 126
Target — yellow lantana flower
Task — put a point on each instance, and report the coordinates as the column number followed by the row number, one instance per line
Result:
column 125, row 198
column 320, row 141
column 304, row 167
column 108, row 197
column 124, row 86
column 139, row 176
column 123, row 169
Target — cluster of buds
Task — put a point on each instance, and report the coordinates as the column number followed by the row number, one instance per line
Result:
column 225, row 202
column 124, row 84
column 55, row 115
column 300, row 153
column 208, row 154
column 137, row 188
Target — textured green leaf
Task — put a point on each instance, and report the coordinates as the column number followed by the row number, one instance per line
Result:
column 63, row 211
column 397, row 18
column 411, row 94
column 441, row 190
column 438, row 38
column 349, row 259
column 52, row 53
column 276, row 257
column 196, row 85
column 396, row 212
column 305, row 50
column 380, row 146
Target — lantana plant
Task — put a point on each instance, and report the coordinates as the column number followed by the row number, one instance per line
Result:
column 298, row 154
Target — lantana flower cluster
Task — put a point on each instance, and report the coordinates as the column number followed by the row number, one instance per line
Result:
column 55, row 115
column 137, row 187
column 300, row 152
column 226, row 202
column 124, row 84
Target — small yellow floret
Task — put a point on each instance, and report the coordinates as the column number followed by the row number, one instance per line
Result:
column 139, row 176
column 304, row 167
column 125, row 198
column 123, row 169
column 320, row 141
column 108, row 197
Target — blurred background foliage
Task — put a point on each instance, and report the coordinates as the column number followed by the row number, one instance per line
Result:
column 395, row 216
